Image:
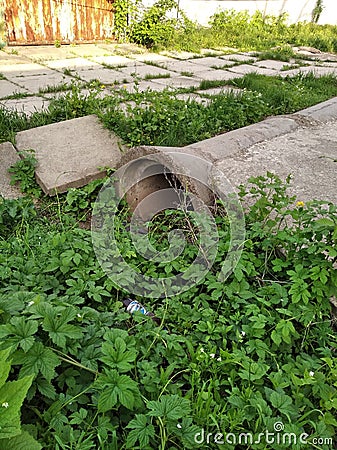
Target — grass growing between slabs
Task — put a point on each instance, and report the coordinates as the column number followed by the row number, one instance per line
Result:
column 158, row 118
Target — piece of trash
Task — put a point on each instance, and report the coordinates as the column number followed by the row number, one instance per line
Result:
column 133, row 306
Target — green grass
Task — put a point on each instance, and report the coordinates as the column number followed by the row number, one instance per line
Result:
column 166, row 121
column 225, row 357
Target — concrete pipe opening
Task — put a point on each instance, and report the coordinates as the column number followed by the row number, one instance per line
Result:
column 152, row 179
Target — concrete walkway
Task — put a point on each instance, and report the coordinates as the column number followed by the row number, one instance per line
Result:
column 304, row 144
column 30, row 76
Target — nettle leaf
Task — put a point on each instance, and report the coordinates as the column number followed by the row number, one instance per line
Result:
column 5, row 366
column 282, row 403
column 117, row 356
column 169, row 407
column 19, row 332
column 12, row 395
column 142, row 431
column 58, row 327
column 253, row 371
column 23, row 441
column 116, row 390
column 38, row 359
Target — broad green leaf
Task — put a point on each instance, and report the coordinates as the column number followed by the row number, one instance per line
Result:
column 116, row 390
column 5, row 365
column 59, row 329
column 282, row 403
column 171, row 407
column 12, row 395
column 39, row 359
column 23, row 441
column 142, row 431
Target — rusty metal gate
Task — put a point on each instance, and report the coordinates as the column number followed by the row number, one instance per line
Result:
column 64, row 21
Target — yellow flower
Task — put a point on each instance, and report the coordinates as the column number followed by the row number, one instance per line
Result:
column 301, row 204
column 102, row 86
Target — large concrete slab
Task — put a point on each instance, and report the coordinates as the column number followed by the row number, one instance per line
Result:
column 104, row 75
column 114, row 60
column 71, row 64
column 43, row 52
column 179, row 82
column 183, row 66
column 308, row 153
column 211, row 62
column 323, row 112
column 36, row 84
column 239, row 57
column 13, row 71
column 8, row 157
column 243, row 69
column 7, row 88
column 143, row 86
column 70, row 153
column 217, row 75
column 146, row 71
column 271, row 64
column 27, row 105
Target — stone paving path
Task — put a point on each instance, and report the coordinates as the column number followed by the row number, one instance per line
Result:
column 28, row 73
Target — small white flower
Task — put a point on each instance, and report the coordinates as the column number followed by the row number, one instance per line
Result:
column 212, row 355
column 219, row 359
column 178, row 425
column 311, row 373
column 5, row 404
column 79, row 315
column 243, row 333
column 30, row 303
column 202, row 350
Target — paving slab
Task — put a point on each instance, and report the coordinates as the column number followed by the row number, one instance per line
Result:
column 8, row 157
column 70, row 153
column 36, row 84
column 323, row 112
column 239, row 57
column 71, row 64
column 12, row 71
column 271, row 64
column 217, row 75
column 143, row 86
column 114, row 60
column 179, row 82
column 146, row 71
column 308, row 153
column 7, row 88
column 12, row 59
column 247, row 68
column 27, row 105
column 43, row 52
column 87, row 50
column 211, row 62
column 104, row 75
column 223, row 90
column 180, row 55
column 183, row 66
column 151, row 57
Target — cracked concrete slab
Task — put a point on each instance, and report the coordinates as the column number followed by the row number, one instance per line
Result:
column 8, row 157
column 70, row 153
column 179, row 82
column 308, row 153
column 183, row 66
column 7, row 88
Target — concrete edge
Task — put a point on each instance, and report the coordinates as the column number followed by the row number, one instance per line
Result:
column 322, row 112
